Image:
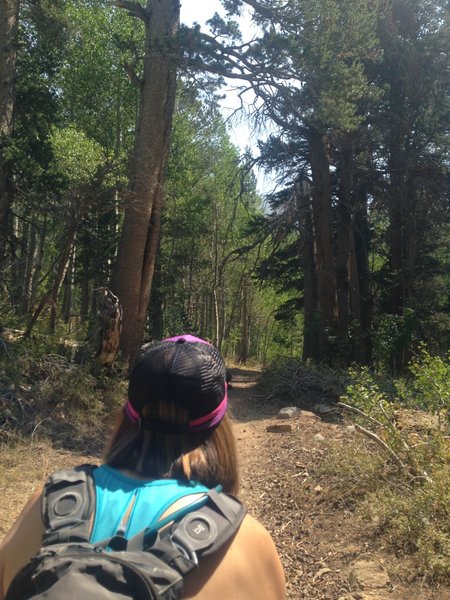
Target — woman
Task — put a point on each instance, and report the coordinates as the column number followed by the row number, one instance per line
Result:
column 172, row 443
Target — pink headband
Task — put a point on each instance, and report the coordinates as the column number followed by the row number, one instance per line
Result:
column 205, row 422
column 187, row 337
column 131, row 413
column 213, row 418
column 201, row 423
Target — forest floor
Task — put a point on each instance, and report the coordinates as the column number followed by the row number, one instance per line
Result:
column 327, row 551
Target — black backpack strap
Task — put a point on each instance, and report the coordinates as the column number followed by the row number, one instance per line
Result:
column 68, row 505
column 230, row 512
column 206, row 530
column 204, row 527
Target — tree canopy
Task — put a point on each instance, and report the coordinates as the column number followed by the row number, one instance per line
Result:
column 117, row 171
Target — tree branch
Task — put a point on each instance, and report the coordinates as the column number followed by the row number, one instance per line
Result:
column 231, row 61
column 359, row 412
column 135, row 80
column 414, row 471
column 258, row 8
column 134, row 8
column 373, row 436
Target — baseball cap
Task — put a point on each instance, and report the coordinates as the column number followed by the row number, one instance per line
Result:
column 185, row 370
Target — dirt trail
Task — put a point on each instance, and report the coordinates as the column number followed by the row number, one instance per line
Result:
column 325, row 549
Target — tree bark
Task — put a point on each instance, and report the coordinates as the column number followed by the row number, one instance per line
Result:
column 50, row 297
column 37, row 264
column 28, row 277
column 20, row 263
column 132, row 274
column 344, row 233
column 9, row 10
column 362, row 304
column 323, row 237
column 110, row 316
column 69, row 287
column 156, row 314
column 151, row 250
column 310, row 326
column 245, row 316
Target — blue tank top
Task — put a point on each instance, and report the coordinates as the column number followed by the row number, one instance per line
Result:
column 125, row 506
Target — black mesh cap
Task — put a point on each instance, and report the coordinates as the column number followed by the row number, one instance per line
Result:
column 187, row 371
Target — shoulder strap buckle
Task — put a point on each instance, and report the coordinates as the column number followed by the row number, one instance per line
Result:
column 68, row 504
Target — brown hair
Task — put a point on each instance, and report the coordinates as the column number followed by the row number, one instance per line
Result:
column 208, row 457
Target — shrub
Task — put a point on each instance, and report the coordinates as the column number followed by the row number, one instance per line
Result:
column 411, row 508
column 416, row 520
column 429, row 386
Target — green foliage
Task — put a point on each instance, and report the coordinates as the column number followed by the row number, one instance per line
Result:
column 382, row 403
column 392, row 334
column 41, row 41
column 429, row 387
column 351, row 472
column 366, row 76
column 203, row 270
column 364, row 391
column 227, row 29
column 370, row 77
column 412, row 508
column 44, row 394
column 416, row 521
column 76, row 156
column 340, row 39
column 97, row 95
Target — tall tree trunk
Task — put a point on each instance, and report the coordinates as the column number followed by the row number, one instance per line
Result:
column 223, row 319
column 9, row 10
column 84, row 294
column 50, row 297
column 397, row 165
column 216, row 317
column 132, row 276
column 69, row 287
column 215, row 274
column 323, row 237
column 411, row 249
column 245, row 342
column 310, row 326
column 362, row 298
column 151, row 250
column 31, row 263
column 22, row 235
column 234, row 307
column 156, row 315
column 37, row 263
column 396, row 232
column 344, row 234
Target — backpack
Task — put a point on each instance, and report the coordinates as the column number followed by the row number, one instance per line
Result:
column 149, row 566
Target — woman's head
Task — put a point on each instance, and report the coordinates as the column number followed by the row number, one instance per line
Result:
column 174, row 423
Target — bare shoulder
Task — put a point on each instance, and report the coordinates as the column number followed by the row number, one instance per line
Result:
column 258, row 542
column 22, row 541
column 255, row 535
column 248, row 567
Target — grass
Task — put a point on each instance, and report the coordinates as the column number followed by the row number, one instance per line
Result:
column 415, row 521
column 411, row 518
column 395, row 473
column 402, row 483
column 52, row 411
column 24, row 465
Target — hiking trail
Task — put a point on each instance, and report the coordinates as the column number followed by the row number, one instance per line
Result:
column 325, row 549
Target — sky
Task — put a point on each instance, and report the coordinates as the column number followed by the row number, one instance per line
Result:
column 240, row 129
column 196, row 10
